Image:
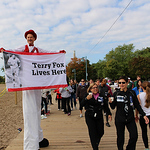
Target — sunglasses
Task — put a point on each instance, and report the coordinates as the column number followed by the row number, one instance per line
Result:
column 122, row 82
column 82, row 81
column 94, row 87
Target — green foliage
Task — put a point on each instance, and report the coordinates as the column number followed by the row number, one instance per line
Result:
column 112, row 69
column 145, row 52
column 117, row 61
column 2, row 79
column 121, row 61
column 121, row 53
column 140, row 66
column 99, row 67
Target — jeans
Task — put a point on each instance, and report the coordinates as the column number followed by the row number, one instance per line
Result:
column 74, row 100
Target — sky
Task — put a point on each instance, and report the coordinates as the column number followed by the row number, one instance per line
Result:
column 75, row 25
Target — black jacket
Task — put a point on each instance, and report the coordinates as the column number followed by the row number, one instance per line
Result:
column 94, row 107
column 104, row 90
column 81, row 91
column 128, row 98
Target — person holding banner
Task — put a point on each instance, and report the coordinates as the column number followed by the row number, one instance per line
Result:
column 33, row 134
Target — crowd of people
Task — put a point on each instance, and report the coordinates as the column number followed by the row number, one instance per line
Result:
column 96, row 97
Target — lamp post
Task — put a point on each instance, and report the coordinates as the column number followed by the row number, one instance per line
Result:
column 74, row 70
column 85, row 66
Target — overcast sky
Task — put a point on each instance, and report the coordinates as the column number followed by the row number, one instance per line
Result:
column 75, row 25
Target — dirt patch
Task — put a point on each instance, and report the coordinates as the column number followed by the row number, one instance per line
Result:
column 11, row 117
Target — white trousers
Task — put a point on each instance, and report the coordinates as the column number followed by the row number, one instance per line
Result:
column 33, row 133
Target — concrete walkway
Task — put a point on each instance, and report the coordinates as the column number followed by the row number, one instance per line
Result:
column 70, row 133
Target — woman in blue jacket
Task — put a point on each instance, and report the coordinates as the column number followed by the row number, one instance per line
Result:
column 138, row 89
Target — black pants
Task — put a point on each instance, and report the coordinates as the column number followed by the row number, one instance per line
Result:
column 59, row 103
column 96, row 130
column 45, row 102
column 49, row 98
column 144, row 130
column 106, row 112
column 133, row 135
column 80, row 106
column 66, row 105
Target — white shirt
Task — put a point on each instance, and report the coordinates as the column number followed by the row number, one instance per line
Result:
column 142, row 96
column 22, row 48
column 43, row 93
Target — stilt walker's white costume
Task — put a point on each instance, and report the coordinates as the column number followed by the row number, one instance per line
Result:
column 33, row 133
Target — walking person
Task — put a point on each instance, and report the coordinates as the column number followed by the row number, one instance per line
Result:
column 59, row 99
column 105, row 90
column 44, row 100
column 81, row 92
column 33, row 134
column 73, row 96
column 138, row 77
column 49, row 96
column 94, row 104
column 138, row 89
column 65, row 94
column 129, row 83
column 125, row 100
column 98, row 82
column 144, row 99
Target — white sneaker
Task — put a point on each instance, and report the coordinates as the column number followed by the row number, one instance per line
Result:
column 81, row 115
column 42, row 116
column 45, row 116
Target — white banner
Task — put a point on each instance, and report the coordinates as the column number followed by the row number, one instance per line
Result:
column 30, row 71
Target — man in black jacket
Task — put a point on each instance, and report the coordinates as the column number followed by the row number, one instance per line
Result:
column 126, row 100
column 80, row 94
column 103, row 88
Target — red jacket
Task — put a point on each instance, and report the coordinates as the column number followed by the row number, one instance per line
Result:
column 58, row 94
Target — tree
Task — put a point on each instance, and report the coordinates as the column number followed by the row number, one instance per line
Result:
column 117, row 61
column 145, row 52
column 140, row 66
column 112, row 69
column 98, row 68
column 80, row 67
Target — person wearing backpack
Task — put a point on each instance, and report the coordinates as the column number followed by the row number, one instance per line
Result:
column 125, row 100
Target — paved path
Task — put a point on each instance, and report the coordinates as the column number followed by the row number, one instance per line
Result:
column 70, row 133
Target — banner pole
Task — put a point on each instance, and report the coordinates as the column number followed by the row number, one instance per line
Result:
column 16, row 98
